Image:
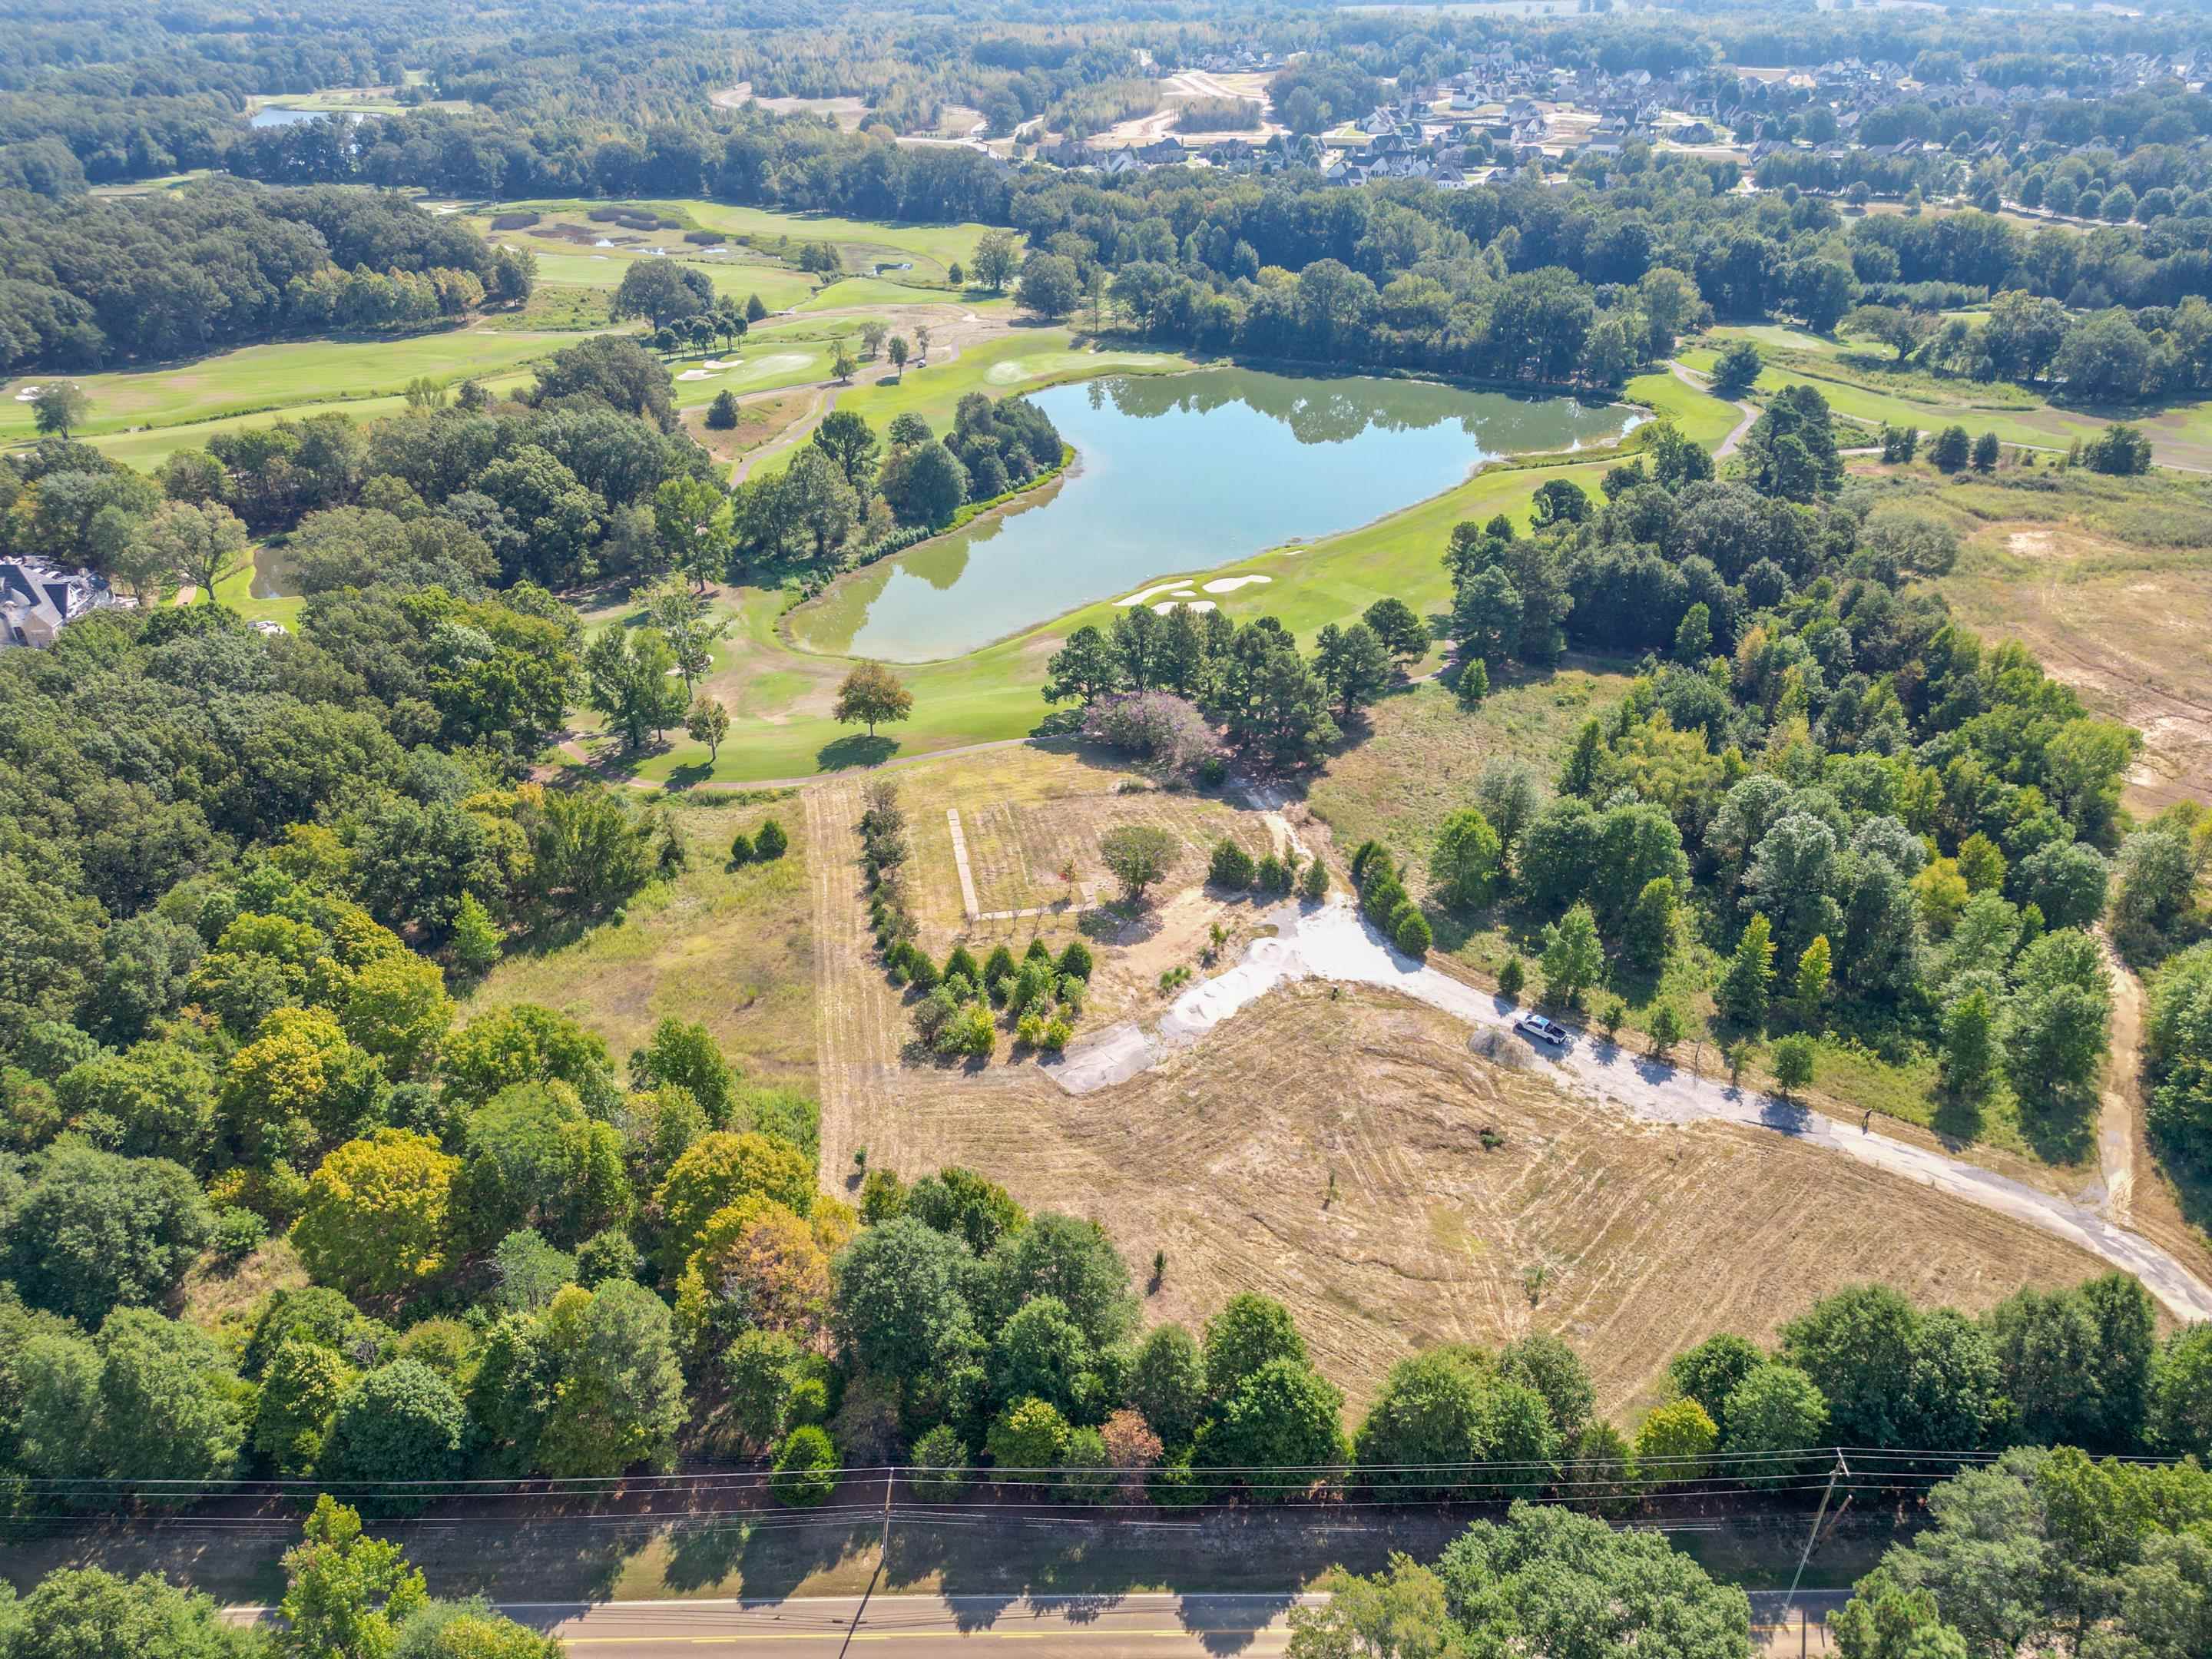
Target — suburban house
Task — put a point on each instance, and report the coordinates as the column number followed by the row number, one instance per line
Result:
column 38, row 600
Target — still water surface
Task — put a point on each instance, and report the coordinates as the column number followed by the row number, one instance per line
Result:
column 1187, row 472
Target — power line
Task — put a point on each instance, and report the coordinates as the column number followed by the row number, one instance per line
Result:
column 1092, row 1493
column 554, row 1485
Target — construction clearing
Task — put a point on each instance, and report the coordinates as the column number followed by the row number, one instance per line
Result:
column 1341, row 1148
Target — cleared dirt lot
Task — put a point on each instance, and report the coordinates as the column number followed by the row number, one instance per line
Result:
column 1326, row 1148
column 2123, row 625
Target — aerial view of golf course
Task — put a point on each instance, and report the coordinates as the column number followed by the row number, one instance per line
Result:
column 1329, row 833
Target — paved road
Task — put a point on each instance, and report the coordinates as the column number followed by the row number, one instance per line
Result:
column 1228, row 1626
column 1332, row 942
column 1078, row 1626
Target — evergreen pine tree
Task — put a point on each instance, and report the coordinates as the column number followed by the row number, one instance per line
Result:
column 1750, row 977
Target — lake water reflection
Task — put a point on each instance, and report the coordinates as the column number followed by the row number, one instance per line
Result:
column 1186, row 472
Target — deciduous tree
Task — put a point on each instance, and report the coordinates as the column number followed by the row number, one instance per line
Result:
column 1574, row 958
column 872, row 695
column 376, row 1221
column 1136, row 856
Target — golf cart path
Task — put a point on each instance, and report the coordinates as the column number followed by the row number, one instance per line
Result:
column 1331, row 941
column 1697, row 382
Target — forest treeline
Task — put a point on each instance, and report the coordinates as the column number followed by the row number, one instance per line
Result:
column 1511, row 279
column 88, row 283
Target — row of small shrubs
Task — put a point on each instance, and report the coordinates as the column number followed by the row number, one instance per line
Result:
column 1233, row 868
column 764, row 846
column 883, row 855
column 703, row 238
column 513, row 220
column 1043, row 995
column 1385, row 901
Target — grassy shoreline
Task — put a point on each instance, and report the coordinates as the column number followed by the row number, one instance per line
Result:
column 779, row 695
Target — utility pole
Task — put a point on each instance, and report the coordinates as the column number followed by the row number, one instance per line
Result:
column 1835, row 1474
column 890, row 1473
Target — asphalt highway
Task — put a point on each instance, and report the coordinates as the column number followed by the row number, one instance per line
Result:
column 1042, row 1626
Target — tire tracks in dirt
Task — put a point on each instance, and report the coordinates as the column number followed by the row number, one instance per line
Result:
column 1333, row 943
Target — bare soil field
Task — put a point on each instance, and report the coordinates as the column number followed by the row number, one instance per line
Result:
column 1190, row 87
column 847, row 112
column 2123, row 624
column 1325, row 1146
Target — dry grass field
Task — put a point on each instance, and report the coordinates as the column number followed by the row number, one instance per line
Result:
column 1324, row 1146
column 2123, row 623
column 1422, row 755
column 1028, row 814
column 731, row 949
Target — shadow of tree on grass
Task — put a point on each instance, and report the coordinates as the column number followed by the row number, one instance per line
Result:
column 855, row 748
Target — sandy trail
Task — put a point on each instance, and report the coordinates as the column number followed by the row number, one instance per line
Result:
column 1330, row 941
column 2116, row 1090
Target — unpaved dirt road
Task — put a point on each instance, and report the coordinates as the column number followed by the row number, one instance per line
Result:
column 2116, row 1090
column 1331, row 942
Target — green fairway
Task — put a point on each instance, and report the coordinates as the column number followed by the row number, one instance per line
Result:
column 277, row 377
column 2181, row 434
column 940, row 245
column 2049, row 427
column 563, row 264
column 149, row 449
column 1025, row 361
column 779, row 697
column 1021, row 362
column 875, row 291
column 1780, row 337
column 759, row 368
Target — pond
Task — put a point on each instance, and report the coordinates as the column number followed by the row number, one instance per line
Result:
column 275, row 575
column 1187, row 472
column 276, row 115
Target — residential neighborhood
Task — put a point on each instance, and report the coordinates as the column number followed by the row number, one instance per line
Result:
column 1514, row 109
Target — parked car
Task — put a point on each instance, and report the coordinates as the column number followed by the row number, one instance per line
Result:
column 1544, row 1030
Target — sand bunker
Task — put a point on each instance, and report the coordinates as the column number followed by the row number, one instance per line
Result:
column 1166, row 605
column 1181, row 590
column 1230, row 584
